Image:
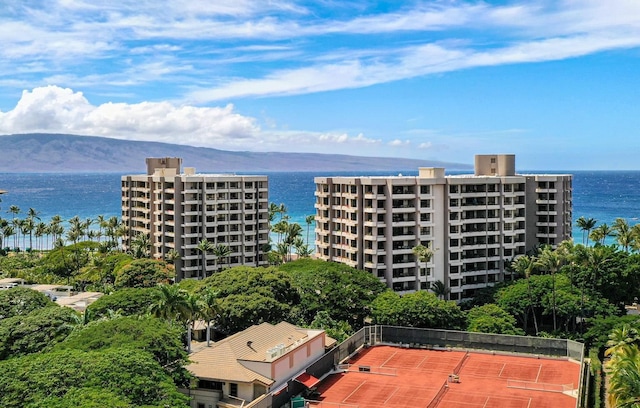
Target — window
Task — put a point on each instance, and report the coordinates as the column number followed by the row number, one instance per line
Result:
column 233, row 389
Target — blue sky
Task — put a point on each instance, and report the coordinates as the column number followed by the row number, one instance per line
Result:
column 554, row 82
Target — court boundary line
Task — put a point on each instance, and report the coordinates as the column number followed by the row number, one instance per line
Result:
column 539, row 371
column 344, row 400
column 501, row 370
column 390, row 357
column 391, row 395
column 422, row 362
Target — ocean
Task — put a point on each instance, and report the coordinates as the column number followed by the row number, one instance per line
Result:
column 603, row 195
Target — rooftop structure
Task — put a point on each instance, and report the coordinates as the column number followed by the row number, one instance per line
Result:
column 474, row 225
column 178, row 210
column 252, row 363
column 63, row 295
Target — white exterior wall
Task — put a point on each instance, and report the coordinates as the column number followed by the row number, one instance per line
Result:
column 245, row 391
column 296, row 360
column 207, row 397
column 178, row 211
column 475, row 224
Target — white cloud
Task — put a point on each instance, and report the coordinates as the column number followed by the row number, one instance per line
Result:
column 61, row 110
column 398, row 142
column 53, row 109
column 425, row 145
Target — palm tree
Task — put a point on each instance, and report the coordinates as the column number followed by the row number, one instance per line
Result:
column 280, row 228
column 32, row 213
column 17, row 227
column 524, row 265
column 282, row 250
column 140, row 245
column 27, row 226
column 86, row 227
column 170, row 303
column 550, row 261
column 635, row 232
column 309, row 219
column 621, row 337
column 623, row 367
column 171, row 256
column 204, row 246
column 423, row 254
column 220, row 251
column 190, row 316
column 624, row 378
column 586, row 225
column 121, row 232
column 624, row 236
column 273, row 210
column 439, row 289
column 301, row 248
column 293, row 231
column 176, row 305
column 3, row 224
column 600, row 233
column 40, row 231
column 14, row 209
column 209, row 310
column 102, row 224
column 8, row 231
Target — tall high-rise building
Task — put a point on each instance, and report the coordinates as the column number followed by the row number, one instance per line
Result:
column 475, row 224
column 178, row 210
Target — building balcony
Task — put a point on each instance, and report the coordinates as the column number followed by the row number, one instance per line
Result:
column 404, row 209
column 374, row 210
column 550, row 212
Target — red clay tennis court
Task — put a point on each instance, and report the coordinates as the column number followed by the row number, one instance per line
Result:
column 386, row 376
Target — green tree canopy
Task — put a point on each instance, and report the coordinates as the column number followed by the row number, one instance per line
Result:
column 123, row 374
column 144, row 273
column 570, row 301
column 128, row 301
column 36, row 331
column 251, row 295
column 102, row 267
column 156, row 336
column 490, row 318
column 418, row 309
column 342, row 291
column 66, row 261
column 338, row 330
column 21, row 301
column 88, row 397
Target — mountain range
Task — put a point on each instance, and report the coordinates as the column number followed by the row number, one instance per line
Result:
column 46, row 152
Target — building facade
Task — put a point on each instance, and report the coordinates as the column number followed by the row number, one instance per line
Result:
column 259, row 360
column 177, row 210
column 474, row 224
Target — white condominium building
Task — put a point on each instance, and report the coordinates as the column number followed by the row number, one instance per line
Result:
column 179, row 210
column 474, row 224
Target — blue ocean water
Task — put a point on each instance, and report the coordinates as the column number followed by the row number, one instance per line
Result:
column 603, row 195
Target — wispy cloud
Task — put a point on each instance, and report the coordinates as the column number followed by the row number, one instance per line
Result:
column 217, row 40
